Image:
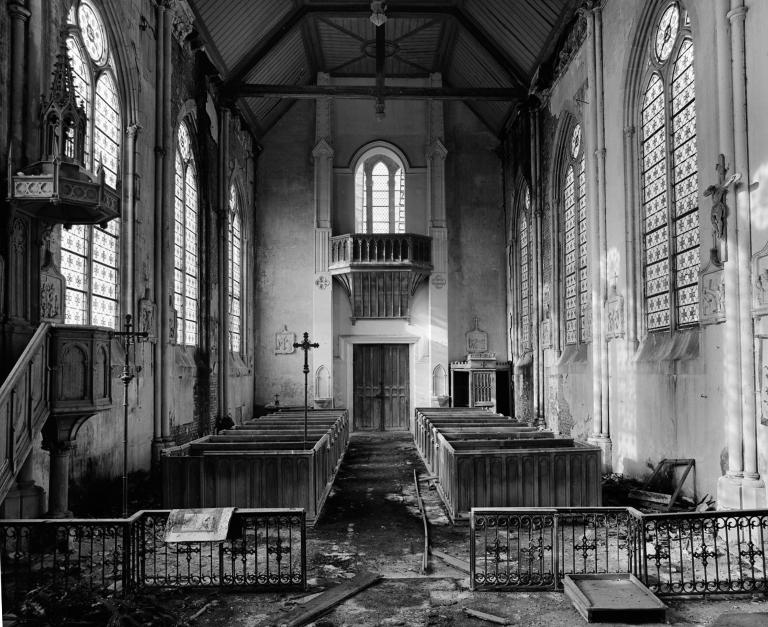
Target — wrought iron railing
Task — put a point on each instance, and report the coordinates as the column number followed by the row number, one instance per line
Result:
column 264, row 550
column 704, row 553
column 672, row 554
column 520, row 548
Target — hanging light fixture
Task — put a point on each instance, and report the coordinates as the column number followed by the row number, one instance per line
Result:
column 377, row 12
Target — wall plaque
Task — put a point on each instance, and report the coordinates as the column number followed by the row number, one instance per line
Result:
column 284, row 341
column 477, row 339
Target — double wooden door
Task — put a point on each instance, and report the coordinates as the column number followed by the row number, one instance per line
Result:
column 381, row 385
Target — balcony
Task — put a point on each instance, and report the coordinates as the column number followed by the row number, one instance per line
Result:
column 380, row 272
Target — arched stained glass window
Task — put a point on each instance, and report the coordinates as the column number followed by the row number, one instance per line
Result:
column 235, row 246
column 575, row 250
column 669, row 177
column 380, row 195
column 186, row 289
column 90, row 255
column 525, row 268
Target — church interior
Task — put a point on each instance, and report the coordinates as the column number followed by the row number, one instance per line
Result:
column 545, row 214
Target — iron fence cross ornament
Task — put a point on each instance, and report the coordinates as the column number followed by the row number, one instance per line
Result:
column 306, row 345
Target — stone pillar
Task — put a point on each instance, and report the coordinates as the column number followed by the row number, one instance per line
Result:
column 128, row 239
column 535, row 278
column 322, row 292
column 729, row 485
column 19, row 17
column 438, row 231
column 223, row 274
column 58, row 486
column 753, row 487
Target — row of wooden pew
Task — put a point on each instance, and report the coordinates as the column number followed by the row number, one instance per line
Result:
column 265, row 462
column 484, row 459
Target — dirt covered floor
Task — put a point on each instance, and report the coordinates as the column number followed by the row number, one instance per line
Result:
column 371, row 522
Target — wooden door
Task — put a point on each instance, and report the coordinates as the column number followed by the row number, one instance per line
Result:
column 381, row 386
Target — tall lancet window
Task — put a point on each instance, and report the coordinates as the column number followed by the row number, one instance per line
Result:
column 186, row 290
column 380, row 195
column 669, row 176
column 90, row 255
column 525, row 270
column 235, row 247
column 575, row 250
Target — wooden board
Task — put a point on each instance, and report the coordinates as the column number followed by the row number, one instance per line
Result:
column 329, row 599
column 615, row 597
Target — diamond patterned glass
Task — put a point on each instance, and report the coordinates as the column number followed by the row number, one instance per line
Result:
column 185, row 244
column 525, row 294
column 90, row 255
column 379, row 196
column 669, row 180
column 235, row 272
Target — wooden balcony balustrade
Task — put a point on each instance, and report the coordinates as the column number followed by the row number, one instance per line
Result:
column 380, row 272
column 381, row 249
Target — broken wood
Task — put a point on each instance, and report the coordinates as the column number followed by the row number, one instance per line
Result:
column 456, row 562
column 491, row 618
column 661, row 498
column 425, row 558
column 329, row 599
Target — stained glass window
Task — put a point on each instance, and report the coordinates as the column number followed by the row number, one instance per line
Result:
column 90, row 255
column 235, row 245
column 669, row 178
column 379, row 196
column 525, row 279
column 185, row 247
column 575, row 249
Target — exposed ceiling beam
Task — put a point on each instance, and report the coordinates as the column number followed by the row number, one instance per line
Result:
column 504, row 94
column 271, row 39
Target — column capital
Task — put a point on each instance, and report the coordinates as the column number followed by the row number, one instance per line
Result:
column 17, row 10
column 437, row 149
column 322, row 149
column 737, row 13
column 132, row 130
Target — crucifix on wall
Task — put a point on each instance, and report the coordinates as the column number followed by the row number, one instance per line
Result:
column 719, row 212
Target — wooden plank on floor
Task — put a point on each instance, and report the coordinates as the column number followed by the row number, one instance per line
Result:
column 491, row 618
column 329, row 599
column 457, row 563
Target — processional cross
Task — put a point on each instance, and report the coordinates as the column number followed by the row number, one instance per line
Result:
column 305, row 345
column 131, row 337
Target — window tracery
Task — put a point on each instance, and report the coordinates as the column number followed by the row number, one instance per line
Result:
column 186, row 290
column 575, row 247
column 235, row 246
column 90, row 255
column 525, row 283
column 669, row 177
column 379, row 195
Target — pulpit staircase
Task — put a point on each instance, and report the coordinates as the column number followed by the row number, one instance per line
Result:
column 60, row 380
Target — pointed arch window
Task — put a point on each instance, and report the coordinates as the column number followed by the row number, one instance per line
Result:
column 380, row 195
column 235, row 251
column 525, row 270
column 575, row 248
column 669, row 176
column 186, row 289
column 90, row 255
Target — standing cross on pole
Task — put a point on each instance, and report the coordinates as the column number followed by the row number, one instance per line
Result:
column 130, row 336
column 305, row 346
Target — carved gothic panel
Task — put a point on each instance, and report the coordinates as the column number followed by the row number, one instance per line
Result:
column 148, row 317
column 615, row 316
column 52, row 286
column 712, row 297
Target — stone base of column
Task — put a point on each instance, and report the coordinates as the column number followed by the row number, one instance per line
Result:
column 729, row 492
column 604, row 442
column 753, row 493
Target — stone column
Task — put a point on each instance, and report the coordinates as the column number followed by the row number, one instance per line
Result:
column 58, row 486
column 438, row 231
column 223, row 274
column 129, row 218
column 753, row 487
column 19, row 17
column 322, row 291
column 729, row 485
column 535, row 279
